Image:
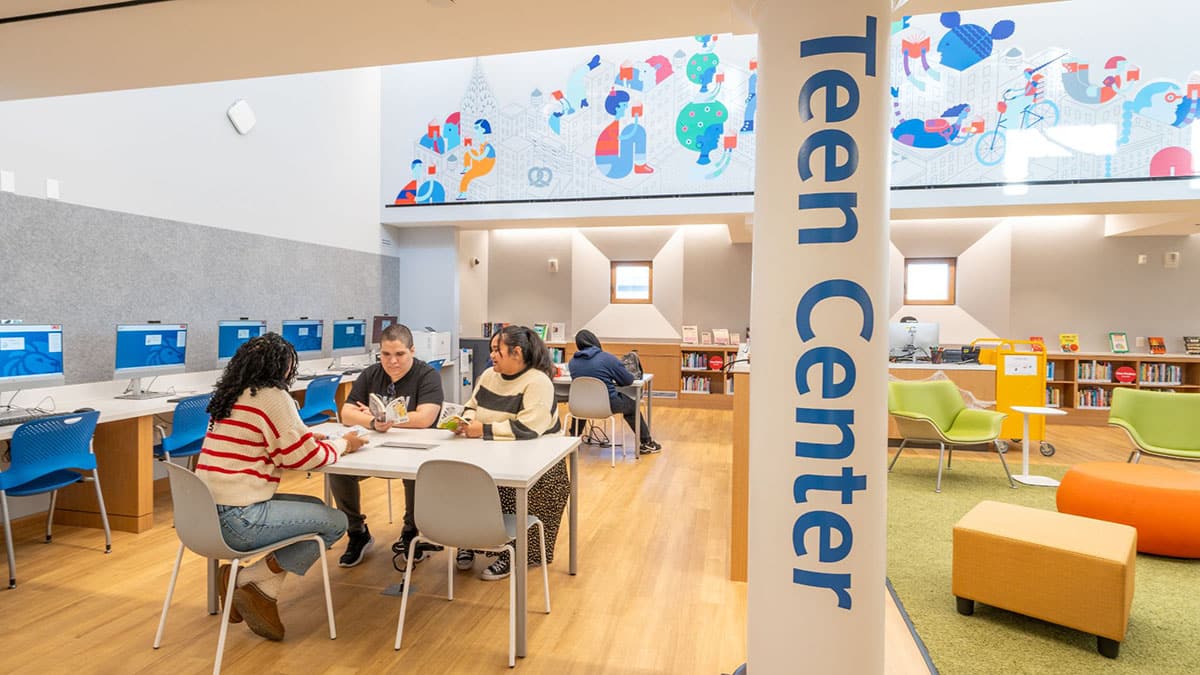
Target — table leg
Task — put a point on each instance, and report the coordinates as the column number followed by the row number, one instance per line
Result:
column 637, row 424
column 1025, row 447
column 1025, row 478
column 125, row 461
column 521, row 565
column 213, row 606
column 573, row 505
column 650, row 402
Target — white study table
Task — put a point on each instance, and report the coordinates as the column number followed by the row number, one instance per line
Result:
column 641, row 390
column 1025, row 478
column 124, row 442
column 515, row 464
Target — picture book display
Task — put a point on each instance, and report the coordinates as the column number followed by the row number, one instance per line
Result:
column 1191, row 344
column 1157, row 345
column 558, row 332
column 1118, row 343
column 689, row 335
column 1039, row 343
column 1069, row 342
column 388, row 410
column 721, row 336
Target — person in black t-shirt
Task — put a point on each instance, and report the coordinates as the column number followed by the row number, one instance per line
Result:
column 398, row 374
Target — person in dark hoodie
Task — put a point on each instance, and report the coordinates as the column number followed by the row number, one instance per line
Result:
column 590, row 360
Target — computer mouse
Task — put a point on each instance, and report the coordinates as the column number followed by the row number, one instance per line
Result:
column 83, row 410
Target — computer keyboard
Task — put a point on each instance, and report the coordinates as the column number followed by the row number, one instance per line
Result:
column 21, row 417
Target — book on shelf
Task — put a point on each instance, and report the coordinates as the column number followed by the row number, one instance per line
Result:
column 689, row 335
column 558, row 332
column 1039, row 343
column 1069, row 342
column 706, row 338
column 1157, row 345
column 1118, row 342
column 542, row 330
column 721, row 336
column 1191, row 344
column 735, row 338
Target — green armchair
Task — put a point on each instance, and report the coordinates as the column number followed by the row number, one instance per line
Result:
column 1158, row 422
column 933, row 411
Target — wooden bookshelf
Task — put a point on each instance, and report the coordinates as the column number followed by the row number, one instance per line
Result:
column 1082, row 384
column 715, row 385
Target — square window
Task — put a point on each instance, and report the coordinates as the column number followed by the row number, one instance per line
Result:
column 632, row 283
column 929, row 281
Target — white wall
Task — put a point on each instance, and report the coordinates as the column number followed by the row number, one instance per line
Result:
column 309, row 171
column 472, row 281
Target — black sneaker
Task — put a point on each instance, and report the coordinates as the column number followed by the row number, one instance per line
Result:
column 465, row 559
column 650, row 447
column 356, row 548
column 497, row 570
column 400, row 550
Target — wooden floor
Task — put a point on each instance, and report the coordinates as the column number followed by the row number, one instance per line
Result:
column 652, row 595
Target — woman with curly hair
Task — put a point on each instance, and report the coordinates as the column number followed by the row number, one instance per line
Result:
column 255, row 434
column 514, row 401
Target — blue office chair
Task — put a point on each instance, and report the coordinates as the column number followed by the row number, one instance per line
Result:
column 437, row 364
column 319, row 400
column 43, row 453
column 187, row 430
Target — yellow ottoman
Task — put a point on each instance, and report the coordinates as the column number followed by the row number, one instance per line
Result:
column 1070, row 570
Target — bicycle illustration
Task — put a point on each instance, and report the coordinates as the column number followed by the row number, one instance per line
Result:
column 1035, row 111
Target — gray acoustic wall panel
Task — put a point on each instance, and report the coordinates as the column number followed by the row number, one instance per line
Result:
column 90, row 269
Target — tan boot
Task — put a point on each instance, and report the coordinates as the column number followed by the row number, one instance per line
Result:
column 222, row 585
column 260, row 611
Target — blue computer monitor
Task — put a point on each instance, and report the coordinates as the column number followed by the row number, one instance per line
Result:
column 349, row 337
column 150, row 349
column 912, row 341
column 30, row 356
column 305, row 335
column 234, row 334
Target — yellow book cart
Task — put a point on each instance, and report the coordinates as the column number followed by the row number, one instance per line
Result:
column 1020, row 380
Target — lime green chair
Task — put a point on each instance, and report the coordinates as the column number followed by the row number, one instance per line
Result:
column 1158, row 422
column 933, row 411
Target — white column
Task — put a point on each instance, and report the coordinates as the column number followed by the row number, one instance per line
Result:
column 818, row 415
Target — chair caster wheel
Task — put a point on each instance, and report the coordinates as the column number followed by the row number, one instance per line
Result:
column 1047, row 449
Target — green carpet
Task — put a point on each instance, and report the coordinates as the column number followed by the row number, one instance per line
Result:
column 1164, row 624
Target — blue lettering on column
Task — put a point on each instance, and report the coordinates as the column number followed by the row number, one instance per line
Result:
column 828, row 358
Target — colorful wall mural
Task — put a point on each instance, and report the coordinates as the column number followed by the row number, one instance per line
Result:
column 661, row 118
column 1054, row 92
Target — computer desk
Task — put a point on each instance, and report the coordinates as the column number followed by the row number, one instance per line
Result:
column 641, row 390
column 124, row 444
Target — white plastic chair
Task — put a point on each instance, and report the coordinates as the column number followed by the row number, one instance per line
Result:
column 199, row 529
column 458, row 507
column 588, row 401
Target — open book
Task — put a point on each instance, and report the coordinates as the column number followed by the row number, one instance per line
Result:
column 394, row 410
column 451, row 416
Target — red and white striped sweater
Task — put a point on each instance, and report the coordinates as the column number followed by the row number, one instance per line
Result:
column 244, row 454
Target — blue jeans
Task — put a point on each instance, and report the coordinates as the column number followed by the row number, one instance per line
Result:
column 283, row 516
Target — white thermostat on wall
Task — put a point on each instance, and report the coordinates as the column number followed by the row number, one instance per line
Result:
column 242, row 116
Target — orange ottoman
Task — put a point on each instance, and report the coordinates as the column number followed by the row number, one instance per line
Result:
column 1163, row 504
